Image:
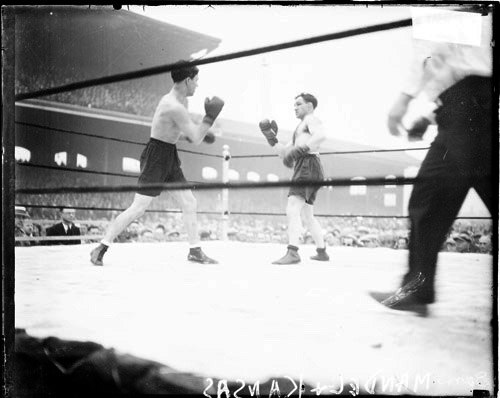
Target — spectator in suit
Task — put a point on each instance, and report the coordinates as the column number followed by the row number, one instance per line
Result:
column 66, row 227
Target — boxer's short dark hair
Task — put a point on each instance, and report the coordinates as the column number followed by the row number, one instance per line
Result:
column 178, row 75
column 309, row 98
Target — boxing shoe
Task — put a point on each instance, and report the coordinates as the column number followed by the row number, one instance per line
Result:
column 196, row 255
column 291, row 256
column 321, row 255
column 97, row 254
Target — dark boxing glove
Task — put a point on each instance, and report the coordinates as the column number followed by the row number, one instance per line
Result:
column 212, row 109
column 209, row 138
column 270, row 131
column 417, row 131
column 288, row 162
column 293, row 154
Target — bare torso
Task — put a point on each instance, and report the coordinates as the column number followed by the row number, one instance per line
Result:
column 164, row 127
column 302, row 135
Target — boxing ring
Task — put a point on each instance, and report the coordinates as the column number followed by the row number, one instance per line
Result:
column 244, row 321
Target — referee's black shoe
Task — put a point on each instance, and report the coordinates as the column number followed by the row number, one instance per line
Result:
column 409, row 297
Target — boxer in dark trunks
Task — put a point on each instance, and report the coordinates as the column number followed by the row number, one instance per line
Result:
column 302, row 154
column 160, row 162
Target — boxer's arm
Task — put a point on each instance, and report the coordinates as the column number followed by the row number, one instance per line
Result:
column 416, row 78
column 397, row 112
column 280, row 149
column 209, row 137
column 192, row 132
column 317, row 131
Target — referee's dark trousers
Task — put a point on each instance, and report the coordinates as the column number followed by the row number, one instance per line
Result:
column 458, row 159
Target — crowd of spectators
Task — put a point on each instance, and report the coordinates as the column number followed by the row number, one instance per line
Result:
column 469, row 236
column 137, row 96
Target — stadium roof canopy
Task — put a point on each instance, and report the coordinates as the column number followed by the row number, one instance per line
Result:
column 71, row 43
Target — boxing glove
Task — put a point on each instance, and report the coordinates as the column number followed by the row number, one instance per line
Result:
column 209, row 138
column 270, row 130
column 417, row 131
column 212, row 109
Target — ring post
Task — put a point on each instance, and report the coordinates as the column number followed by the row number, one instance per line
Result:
column 226, row 156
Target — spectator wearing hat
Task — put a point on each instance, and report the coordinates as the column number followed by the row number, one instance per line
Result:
column 18, row 227
column 463, row 242
column 174, row 236
column 159, row 233
column 450, row 245
column 21, row 212
column 402, row 243
column 369, row 241
column 146, row 235
column 23, row 226
column 66, row 227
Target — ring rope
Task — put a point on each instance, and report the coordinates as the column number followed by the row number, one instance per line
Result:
column 176, row 186
column 109, row 208
column 350, row 215
column 77, row 170
column 58, row 238
column 79, row 133
column 207, row 154
column 109, row 138
column 236, row 213
column 374, row 151
column 337, row 152
column 225, row 57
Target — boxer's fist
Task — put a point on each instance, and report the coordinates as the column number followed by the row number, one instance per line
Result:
column 270, row 130
column 212, row 109
column 417, row 131
column 294, row 153
column 398, row 110
column 288, row 162
column 209, row 138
